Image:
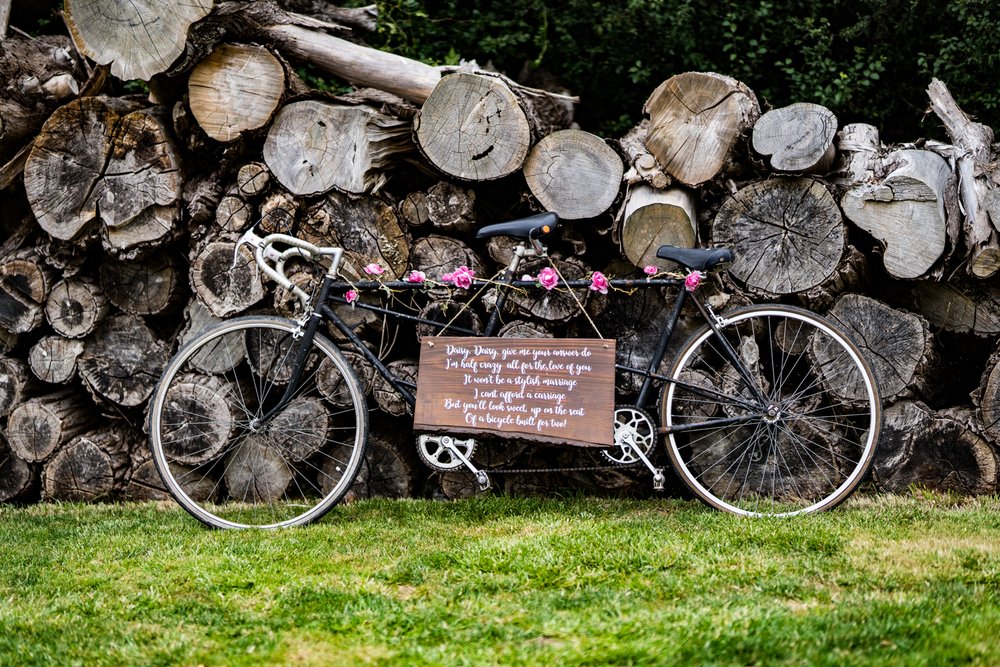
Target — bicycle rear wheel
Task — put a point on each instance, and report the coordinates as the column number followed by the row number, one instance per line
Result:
column 791, row 428
column 226, row 466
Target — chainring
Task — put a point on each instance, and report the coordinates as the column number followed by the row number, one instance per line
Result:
column 433, row 452
column 633, row 428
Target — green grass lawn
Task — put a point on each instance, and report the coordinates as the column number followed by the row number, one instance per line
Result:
column 880, row 581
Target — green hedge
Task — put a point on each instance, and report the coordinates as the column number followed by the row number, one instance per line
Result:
column 867, row 60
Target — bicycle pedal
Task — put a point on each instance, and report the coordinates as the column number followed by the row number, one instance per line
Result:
column 483, row 481
column 659, row 480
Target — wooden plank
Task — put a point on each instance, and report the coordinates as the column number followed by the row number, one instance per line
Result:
column 549, row 390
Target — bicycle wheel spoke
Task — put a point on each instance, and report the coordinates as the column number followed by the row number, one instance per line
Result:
column 811, row 444
column 240, row 442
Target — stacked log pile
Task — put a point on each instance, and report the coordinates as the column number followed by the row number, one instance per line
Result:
column 119, row 215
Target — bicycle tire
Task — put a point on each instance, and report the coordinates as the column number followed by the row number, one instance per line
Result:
column 799, row 441
column 224, row 466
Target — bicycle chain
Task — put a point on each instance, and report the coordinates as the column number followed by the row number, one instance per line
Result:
column 512, row 471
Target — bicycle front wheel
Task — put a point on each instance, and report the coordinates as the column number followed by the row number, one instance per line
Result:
column 223, row 461
column 779, row 415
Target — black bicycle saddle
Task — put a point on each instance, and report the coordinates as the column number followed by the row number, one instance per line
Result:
column 697, row 259
column 532, row 227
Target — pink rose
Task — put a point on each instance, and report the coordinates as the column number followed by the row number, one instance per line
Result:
column 351, row 296
column 692, row 281
column 447, row 277
column 548, row 278
column 462, row 277
column 416, row 277
column 374, row 269
column 599, row 282
column 650, row 270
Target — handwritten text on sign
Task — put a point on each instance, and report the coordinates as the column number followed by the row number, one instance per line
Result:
column 553, row 390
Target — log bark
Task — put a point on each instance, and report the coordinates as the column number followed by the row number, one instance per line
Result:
column 859, row 153
column 960, row 306
column 37, row 428
column 387, row 398
column 250, row 74
column 365, row 227
column 897, row 345
column 695, row 121
column 15, row 384
column 574, row 174
column 314, row 146
column 39, row 74
column 18, row 478
column 787, row 234
column 978, row 176
column 5, row 6
column 933, row 450
column 473, row 127
column 986, row 400
column 906, row 211
column 797, row 138
column 108, row 160
column 225, row 280
column 25, row 282
column 122, row 360
column 652, row 218
column 75, row 306
column 643, row 167
column 53, row 359
column 365, row 67
column 138, row 38
column 90, row 467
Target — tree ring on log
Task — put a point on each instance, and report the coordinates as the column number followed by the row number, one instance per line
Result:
column 256, row 471
column 906, row 211
column 75, row 306
column 108, row 159
column 574, row 174
column 249, row 74
column 787, row 235
column 472, row 127
column 313, row 147
column 138, row 38
column 897, row 345
column 193, row 441
column 122, row 360
column 695, row 119
column 226, row 283
column 797, row 138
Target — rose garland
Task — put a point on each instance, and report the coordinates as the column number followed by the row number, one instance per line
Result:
column 548, row 278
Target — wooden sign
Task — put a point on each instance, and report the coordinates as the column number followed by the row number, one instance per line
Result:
column 546, row 389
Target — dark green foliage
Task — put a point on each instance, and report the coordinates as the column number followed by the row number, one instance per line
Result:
column 867, row 60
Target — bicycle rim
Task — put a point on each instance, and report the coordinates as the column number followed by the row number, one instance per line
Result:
column 226, row 466
column 791, row 429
